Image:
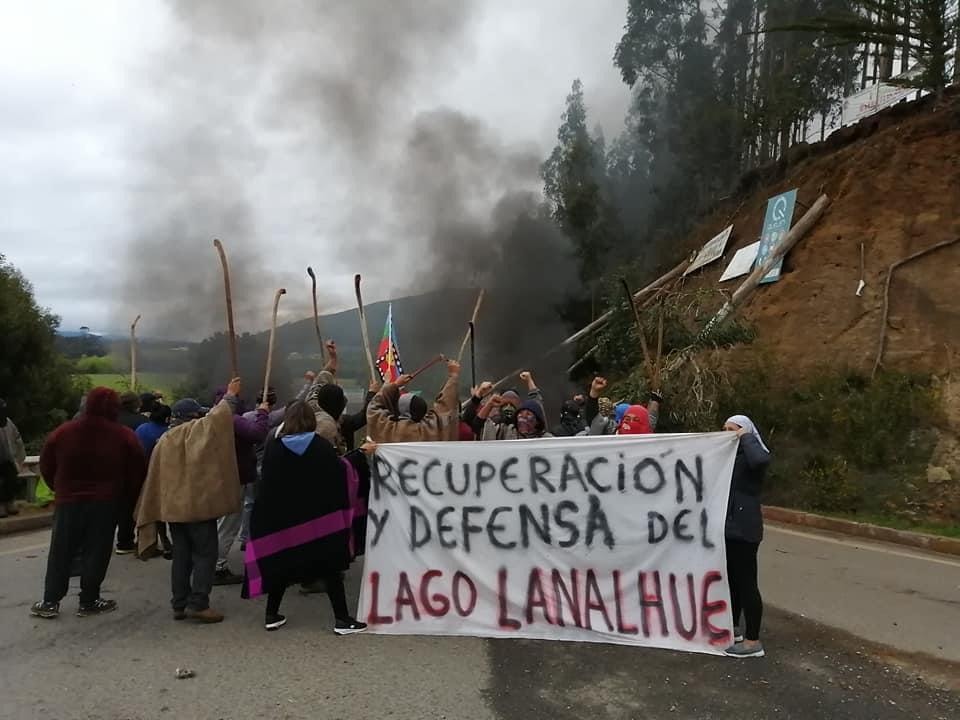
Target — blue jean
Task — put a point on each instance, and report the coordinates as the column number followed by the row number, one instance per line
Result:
column 249, row 497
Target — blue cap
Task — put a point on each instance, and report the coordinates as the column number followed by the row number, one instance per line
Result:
column 188, row 408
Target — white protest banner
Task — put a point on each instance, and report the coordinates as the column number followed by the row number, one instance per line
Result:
column 606, row 539
column 710, row 252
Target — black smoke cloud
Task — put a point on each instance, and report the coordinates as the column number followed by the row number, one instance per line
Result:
column 427, row 203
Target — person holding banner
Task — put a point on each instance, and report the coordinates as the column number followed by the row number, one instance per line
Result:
column 744, row 532
column 394, row 416
column 302, row 524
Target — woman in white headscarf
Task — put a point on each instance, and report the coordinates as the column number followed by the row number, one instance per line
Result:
column 744, row 532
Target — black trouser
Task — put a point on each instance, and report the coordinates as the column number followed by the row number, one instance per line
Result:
column 744, row 590
column 126, row 526
column 195, row 549
column 86, row 527
column 335, row 591
column 9, row 482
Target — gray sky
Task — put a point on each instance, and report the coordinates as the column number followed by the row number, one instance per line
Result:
column 79, row 99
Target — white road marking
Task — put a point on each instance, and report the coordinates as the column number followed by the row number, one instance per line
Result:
column 860, row 544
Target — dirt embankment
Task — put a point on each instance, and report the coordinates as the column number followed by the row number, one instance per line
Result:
column 895, row 185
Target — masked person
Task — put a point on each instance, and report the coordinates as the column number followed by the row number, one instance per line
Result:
column 95, row 466
column 12, row 457
column 571, row 421
column 531, row 422
column 636, row 421
column 497, row 419
column 394, row 416
column 193, row 481
column 304, row 484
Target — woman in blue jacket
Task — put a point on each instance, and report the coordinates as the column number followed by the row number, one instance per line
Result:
column 744, row 532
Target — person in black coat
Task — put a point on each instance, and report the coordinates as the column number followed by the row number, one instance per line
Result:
column 301, row 526
column 744, row 532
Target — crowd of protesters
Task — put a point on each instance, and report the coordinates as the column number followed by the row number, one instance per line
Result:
column 187, row 482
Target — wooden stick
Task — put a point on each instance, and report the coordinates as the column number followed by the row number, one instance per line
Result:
column 473, row 354
column 363, row 329
column 273, row 333
column 473, row 321
column 133, row 354
column 658, row 364
column 422, row 369
column 316, row 314
column 783, row 247
column 886, row 296
column 231, row 333
column 643, row 339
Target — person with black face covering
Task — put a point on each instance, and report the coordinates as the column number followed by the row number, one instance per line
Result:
column 571, row 421
column 12, row 456
column 497, row 419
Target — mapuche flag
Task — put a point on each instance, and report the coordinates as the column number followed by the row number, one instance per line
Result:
column 388, row 359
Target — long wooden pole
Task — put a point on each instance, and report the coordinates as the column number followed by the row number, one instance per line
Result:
column 316, row 314
column 231, row 332
column 422, row 369
column 363, row 328
column 473, row 355
column 273, row 334
column 133, row 354
column 643, row 336
column 473, row 321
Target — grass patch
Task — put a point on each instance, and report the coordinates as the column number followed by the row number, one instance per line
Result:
column 899, row 523
column 164, row 382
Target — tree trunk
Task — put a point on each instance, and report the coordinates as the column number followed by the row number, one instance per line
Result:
column 752, row 83
column 886, row 52
column 905, row 47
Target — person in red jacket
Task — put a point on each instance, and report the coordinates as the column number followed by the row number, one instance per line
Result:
column 94, row 465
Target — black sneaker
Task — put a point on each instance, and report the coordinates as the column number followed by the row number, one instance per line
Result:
column 274, row 622
column 126, row 549
column 226, row 577
column 180, row 614
column 45, row 610
column 97, row 607
column 349, row 626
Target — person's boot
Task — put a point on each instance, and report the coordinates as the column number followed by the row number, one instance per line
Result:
column 206, row 617
column 97, row 607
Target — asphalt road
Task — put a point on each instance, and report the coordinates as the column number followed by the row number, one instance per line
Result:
column 121, row 666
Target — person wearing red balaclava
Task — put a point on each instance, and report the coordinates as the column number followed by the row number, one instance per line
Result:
column 636, row 421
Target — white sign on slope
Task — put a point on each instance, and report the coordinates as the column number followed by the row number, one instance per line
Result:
column 710, row 252
column 742, row 262
column 606, row 539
